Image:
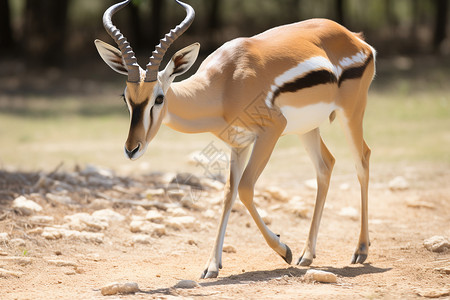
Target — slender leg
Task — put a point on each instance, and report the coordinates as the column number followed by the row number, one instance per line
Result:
column 323, row 162
column 262, row 150
column 237, row 164
column 361, row 153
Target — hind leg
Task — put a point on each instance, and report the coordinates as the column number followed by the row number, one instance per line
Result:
column 361, row 153
column 323, row 162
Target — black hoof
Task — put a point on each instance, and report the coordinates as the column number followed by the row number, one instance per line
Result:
column 358, row 258
column 288, row 257
column 304, row 262
column 209, row 274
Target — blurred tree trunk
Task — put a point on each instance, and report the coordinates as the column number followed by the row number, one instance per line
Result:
column 45, row 31
column 136, row 27
column 155, row 21
column 441, row 23
column 339, row 6
column 6, row 36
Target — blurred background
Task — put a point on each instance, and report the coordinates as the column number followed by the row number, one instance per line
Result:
column 59, row 102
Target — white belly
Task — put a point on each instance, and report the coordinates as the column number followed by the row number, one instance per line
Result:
column 300, row 120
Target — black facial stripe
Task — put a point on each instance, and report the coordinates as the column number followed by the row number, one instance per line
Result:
column 137, row 113
column 321, row 76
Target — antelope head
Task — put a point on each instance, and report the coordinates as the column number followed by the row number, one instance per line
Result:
column 145, row 91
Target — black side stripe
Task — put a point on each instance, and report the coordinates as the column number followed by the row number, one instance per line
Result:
column 321, row 76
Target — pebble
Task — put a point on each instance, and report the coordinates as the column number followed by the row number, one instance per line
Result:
column 320, row 276
column 18, row 260
column 120, row 288
column 62, row 263
column 25, row 206
column 8, row 273
column 277, row 194
column 152, row 193
column 186, row 284
column 147, row 227
column 399, row 183
column 60, row 199
column 229, row 249
column 100, row 204
column 437, row 244
column 433, row 293
column 141, row 239
column 177, row 212
column 349, row 212
column 41, row 219
column 178, row 223
column 52, row 233
column 108, row 215
column 4, row 237
column 84, row 221
column 154, row 216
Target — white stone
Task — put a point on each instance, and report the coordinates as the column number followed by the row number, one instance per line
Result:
column 42, row 219
column 4, row 237
column 152, row 193
column 209, row 213
column 8, row 273
column 437, row 244
column 52, row 233
column 120, row 288
column 147, row 227
column 186, row 284
column 141, row 239
column 311, row 184
column 62, row 263
column 177, row 212
column 181, row 222
column 277, row 194
column 59, row 199
column 320, row 276
column 25, row 206
column 399, row 183
column 349, row 212
column 108, row 215
column 84, row 221
column 154, row 216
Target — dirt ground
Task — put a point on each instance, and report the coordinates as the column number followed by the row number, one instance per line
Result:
column 398, row 267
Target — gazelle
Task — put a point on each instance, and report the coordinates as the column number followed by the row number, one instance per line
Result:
column 249, row 92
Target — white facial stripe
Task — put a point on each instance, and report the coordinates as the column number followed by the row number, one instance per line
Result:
column 147, row 118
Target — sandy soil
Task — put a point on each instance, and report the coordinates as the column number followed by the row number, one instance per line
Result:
column 398, row 266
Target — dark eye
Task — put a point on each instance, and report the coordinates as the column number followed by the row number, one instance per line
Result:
column 159, row 99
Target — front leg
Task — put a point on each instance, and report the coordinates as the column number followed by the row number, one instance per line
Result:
column 262, row 149
column 237, row 163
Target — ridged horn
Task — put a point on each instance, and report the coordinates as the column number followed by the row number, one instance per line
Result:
column 124, row 46
column 169, row 38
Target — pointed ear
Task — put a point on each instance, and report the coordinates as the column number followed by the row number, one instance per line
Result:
column 181, row 61
column 112, row 57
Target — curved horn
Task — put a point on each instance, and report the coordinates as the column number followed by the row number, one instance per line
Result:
column 169, row 38
column 124, row 46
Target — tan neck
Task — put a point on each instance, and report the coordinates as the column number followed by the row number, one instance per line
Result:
column 192, row 107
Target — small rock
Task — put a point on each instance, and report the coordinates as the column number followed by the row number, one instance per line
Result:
column 60, row 199
column 181, row 222
column 84, row 221
column 19, row 260
column 229, row 249
column 311, row 184
column 320, row 276
column 141, row 239
column 177, row 212
column 154, row 216
column 17, row 242
column 120, row 288
column 62, row 263
column 25, row 206
column 108, row 215
column 277, row 194
column 399, row 183
column 443, row 270
column 8, row 273
column 437, row 244
column 147, row 227
column 152, row 193
column 100, row 204
column 52, row 233
column 186, row 284
column 42, row 220
column 433, row 293
column 349, row 212
column 4, row 237
column 209, row 213
column 265, row 216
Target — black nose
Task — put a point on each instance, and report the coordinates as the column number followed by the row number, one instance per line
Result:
column 131, row 153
